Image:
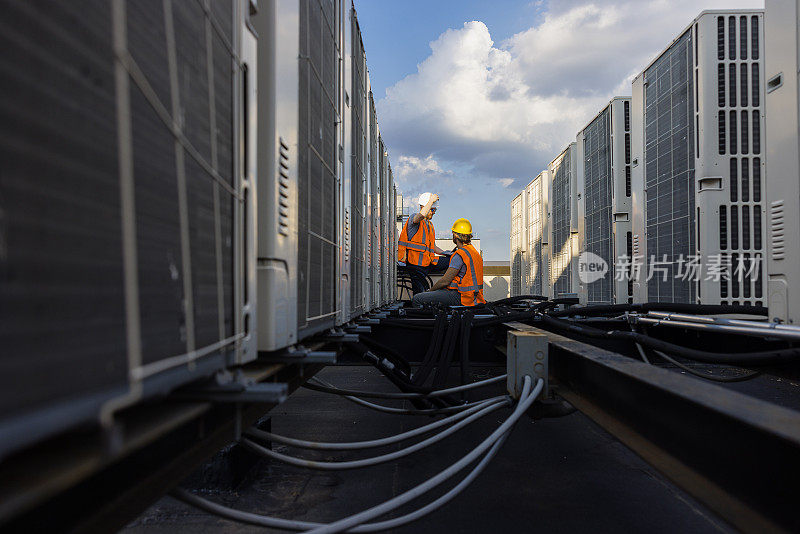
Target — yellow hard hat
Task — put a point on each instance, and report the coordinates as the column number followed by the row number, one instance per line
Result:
column 462, row 226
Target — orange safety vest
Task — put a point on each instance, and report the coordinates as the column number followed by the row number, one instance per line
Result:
column 470, row 285
column 418, row 250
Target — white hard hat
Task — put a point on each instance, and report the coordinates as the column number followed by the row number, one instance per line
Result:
column 425, row 197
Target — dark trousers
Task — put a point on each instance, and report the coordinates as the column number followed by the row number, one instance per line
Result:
column 419, row 274
column 450, row 297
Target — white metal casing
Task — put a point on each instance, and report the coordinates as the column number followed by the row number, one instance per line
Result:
column 782, row 59
column 639, row 239
column 563, row 223
column 610, row 195
column 277, row 193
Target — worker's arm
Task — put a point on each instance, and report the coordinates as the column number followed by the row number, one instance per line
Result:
column 417, row 217
column 446, row 278
column 440, row 251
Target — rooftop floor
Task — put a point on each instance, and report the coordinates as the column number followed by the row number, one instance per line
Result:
column 553, row 475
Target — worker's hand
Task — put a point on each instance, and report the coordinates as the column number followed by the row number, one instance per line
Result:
column 434, row 198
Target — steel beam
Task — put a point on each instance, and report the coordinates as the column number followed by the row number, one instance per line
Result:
column 738, row 455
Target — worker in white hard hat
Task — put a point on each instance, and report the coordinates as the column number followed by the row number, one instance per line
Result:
column 417, row 248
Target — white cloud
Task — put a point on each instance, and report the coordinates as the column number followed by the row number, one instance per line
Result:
column 416, row 175
column 508, row 109
column 478, row 113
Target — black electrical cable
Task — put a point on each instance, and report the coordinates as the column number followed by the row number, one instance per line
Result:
column 448, row 351
column 402, row 382
column 708, row 376
column 396, row 358
column 741, row 358
column 431, row 356
column 698, row 309
column 517, row 316
column 466, row 330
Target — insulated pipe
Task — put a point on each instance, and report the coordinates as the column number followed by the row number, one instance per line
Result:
column 704, row 309
column 763, row 324
column 358, row 445
column 287, row 524
column 375, row 460
column 403, row 411
column 733, row 358
column 723, row 328
column 526, row 399
column 392, row 395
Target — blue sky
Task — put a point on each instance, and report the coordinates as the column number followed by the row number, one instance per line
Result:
column 474, row 98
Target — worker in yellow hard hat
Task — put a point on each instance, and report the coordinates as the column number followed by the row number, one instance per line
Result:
column 462, row 283
column 416, row 247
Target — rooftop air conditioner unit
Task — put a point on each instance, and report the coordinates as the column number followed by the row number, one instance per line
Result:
column 698, row 164
column 299, row 199
column 604, row 203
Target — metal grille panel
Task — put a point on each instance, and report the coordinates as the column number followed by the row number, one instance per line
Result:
column 535, row 232
column 597, row 195
column 516, row 246
column 61, row 237
column 560, row 272
column 374, row 208
column 357, row 177
column 317, row 183
column 740, row 221
column 669, row 169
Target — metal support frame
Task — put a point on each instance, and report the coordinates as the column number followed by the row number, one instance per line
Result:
column 301, row 354
column 736, row 454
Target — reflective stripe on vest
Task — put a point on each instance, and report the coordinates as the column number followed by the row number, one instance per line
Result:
column 470, row 294
column 417, row 250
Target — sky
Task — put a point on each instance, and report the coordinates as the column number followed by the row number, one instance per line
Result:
column 475, row 98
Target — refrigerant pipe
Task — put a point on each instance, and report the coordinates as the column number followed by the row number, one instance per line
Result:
column 357, row 445
column 392, row 395
column 733, row 358
column 355, row 523
column 383, row 458
column 287, row 524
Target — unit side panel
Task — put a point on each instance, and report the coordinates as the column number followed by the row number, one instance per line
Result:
column 782, row 20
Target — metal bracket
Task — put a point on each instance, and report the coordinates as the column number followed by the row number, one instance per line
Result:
column 366, row 320
column 300, row 354
column 358, row 329
column 339, row 336
column 378, row 315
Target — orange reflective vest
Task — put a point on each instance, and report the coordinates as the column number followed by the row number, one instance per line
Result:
column 470, row 285
column 417, row 250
